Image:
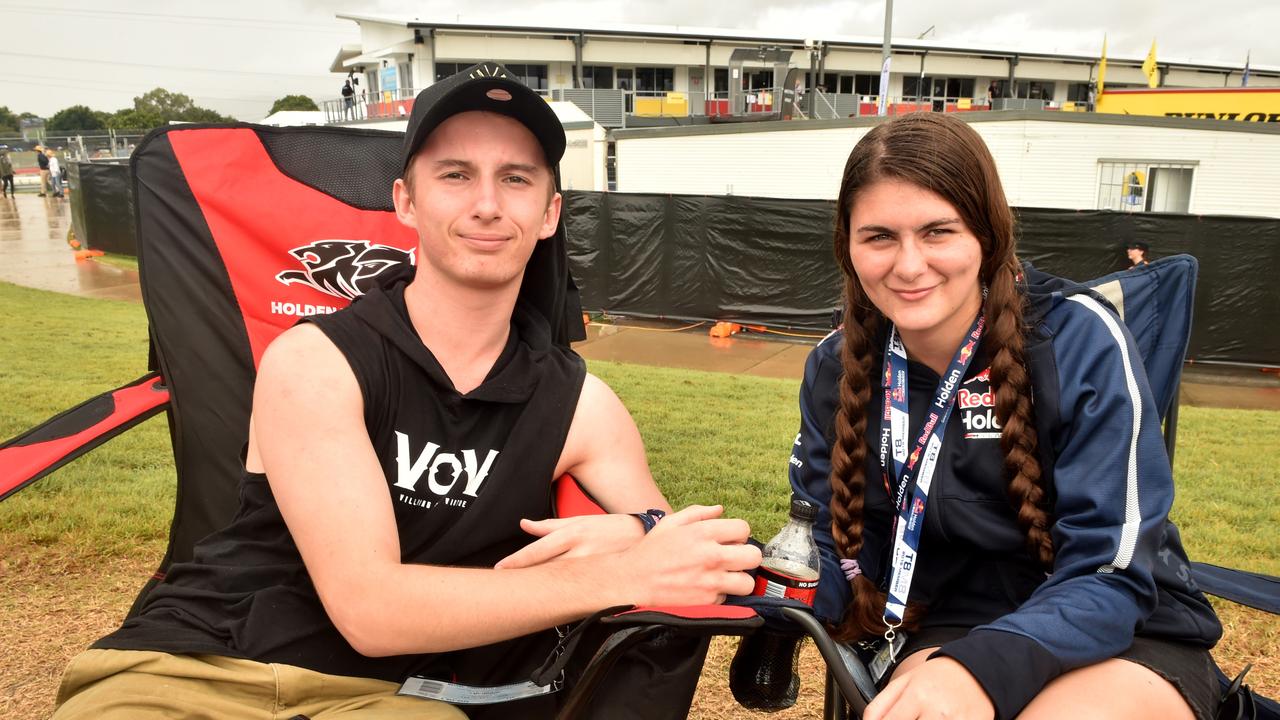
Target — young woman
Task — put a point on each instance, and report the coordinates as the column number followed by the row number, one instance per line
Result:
column 985, row 447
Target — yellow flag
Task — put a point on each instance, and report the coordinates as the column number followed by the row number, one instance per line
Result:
column 1149, row 67
column 1102, row 67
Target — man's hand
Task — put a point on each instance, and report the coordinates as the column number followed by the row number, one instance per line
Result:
column 561, row 538
column 939, row 688
column 693, row 557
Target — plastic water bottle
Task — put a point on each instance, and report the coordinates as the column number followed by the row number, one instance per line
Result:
column 763, row 673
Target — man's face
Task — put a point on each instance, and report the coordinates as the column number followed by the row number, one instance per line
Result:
column 481, row 200
column 1136, row 255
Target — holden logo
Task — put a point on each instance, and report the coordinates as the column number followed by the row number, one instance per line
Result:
column 343, row 268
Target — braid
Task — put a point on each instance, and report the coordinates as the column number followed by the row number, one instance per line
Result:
column 1011, row 387
column 865, row 615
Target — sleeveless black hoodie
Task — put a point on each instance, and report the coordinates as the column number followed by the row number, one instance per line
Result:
column 461, row 471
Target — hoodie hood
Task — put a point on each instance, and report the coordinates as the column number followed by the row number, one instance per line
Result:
column 1044, row 292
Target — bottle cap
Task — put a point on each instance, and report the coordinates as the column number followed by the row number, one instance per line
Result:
column 803, row 509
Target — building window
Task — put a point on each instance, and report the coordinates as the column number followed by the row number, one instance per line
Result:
column 860, row 84
column 448, row 69
column 722, row 81
column 611, row 166
column 535, row 76
column 1145, row 186
column 1025, row 89
column 1078, row 92
column 655, row 79
column 1035, row 89
column 757, row 79
column 404, row 76
column 929, row 87
column 597, row 76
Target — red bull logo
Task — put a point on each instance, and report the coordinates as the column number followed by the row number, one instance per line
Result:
column 888, row 376
column 917, row 506
column 915, row 455
column 966, row 399
column 984, row 376
column 899, row 394
column 966, row 351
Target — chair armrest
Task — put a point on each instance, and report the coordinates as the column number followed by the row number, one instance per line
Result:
column 70, row 434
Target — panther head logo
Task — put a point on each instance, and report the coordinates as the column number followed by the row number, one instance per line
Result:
column 344, row 268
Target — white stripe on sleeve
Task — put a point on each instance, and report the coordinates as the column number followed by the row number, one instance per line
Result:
column 1132, row 511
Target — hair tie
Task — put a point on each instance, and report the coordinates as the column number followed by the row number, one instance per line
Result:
column 850, row 568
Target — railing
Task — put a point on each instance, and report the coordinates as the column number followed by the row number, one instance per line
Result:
column 78, row 147
column 611, row 107
column 385, row 105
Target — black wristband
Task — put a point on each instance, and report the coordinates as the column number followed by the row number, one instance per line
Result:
column 649, row 518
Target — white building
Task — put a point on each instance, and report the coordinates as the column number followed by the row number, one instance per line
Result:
column 680, row 72
column 684, row 84
column 1053, row 160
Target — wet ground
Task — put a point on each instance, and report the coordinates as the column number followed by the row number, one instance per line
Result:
column 34, row 253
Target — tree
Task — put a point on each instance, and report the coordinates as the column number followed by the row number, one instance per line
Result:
column 8, row 121
column 76, row 117
column 293, row 102
column 132, row 119
column 161, row 102
column 159, row 107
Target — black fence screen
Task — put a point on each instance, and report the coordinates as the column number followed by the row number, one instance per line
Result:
column 769, row 261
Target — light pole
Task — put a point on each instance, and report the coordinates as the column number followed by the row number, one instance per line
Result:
column 883, row 106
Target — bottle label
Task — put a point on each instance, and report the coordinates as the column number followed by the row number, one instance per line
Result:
column 770, row 582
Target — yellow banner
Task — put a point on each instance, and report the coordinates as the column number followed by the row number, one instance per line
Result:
column 1243, row 104
column 1150, row 69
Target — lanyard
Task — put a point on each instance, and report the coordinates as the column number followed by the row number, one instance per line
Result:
column 920, row 464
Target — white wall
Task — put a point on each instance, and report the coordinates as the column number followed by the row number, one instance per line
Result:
column 582, row 167
column 1042, row 163
column 502, row 48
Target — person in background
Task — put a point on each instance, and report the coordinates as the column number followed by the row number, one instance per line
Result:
column 43, row 162
column 1005, row 558
column 1137, row 252
column 6, row 173
column 54, row 171
column 348, row 99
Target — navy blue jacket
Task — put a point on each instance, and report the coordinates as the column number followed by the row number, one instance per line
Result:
column 1119, row 569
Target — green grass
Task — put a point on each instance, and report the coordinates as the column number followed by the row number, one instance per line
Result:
column 55, row 352
column 127, row 262
column 711, row 438
column 86, row 534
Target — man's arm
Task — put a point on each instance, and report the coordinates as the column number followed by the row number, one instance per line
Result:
column 604, row 454
column 329, row 485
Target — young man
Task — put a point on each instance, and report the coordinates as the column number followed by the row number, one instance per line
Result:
column 384, row 524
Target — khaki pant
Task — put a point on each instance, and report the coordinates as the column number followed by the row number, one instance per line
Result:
column 44, row 182
column 120, row 684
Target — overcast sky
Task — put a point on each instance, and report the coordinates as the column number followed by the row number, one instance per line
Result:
column 237, row 56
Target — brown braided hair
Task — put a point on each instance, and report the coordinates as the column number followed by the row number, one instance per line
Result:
column 942, row 154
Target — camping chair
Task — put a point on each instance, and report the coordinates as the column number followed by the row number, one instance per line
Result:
column 241, row 231
column 1155, row 303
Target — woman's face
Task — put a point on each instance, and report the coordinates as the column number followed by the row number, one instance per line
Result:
column 916, row 259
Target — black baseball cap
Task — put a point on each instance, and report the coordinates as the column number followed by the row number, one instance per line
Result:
column 1135, row 245
column 489, row 87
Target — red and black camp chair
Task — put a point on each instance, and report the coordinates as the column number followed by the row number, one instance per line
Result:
column 241, row 231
